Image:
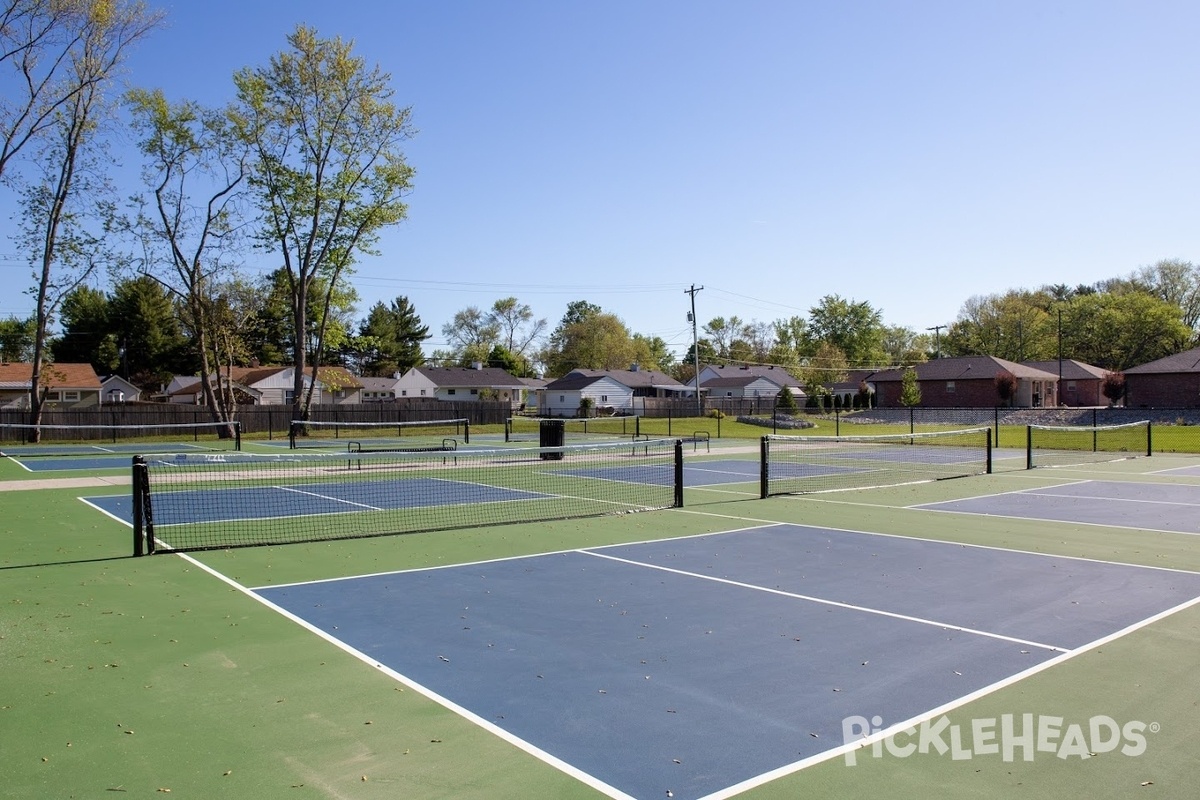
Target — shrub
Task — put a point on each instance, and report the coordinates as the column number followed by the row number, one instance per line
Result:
column 1006, row 386
column 1113, row 387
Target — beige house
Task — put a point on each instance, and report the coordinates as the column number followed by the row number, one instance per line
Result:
column 65, row 385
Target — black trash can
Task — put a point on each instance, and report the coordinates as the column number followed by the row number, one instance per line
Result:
column 552, row 433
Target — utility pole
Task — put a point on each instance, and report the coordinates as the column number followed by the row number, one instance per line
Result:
column 937, row 340
column 695, row 347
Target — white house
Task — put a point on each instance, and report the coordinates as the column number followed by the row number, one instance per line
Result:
column 610, row 391
column 115, row 390
column 748, row 381
column 462, row 384
column 272, row 386
column 379, row 390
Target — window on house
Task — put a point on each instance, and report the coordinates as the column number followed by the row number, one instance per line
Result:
column 603, row 398
column 729, row 394
column 449, row 391
column 949, row 387
column 422, row 393
column 474, row 391
column 70, row 397
column 404, row 392
column 1070, row 386
column 562, row 398
column 289, row 397
column 338, row 394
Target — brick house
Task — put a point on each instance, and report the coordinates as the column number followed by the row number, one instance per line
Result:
column 1082, row 384
column 1171, row 382
column 967, row 382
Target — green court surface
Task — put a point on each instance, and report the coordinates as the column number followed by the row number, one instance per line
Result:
column 135, row 677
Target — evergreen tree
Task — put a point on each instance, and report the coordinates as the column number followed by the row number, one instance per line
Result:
column 397, row 333
column 87, row 336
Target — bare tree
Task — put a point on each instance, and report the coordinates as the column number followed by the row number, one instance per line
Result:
column 516, row 328
column 66, row 212
column 188, row 238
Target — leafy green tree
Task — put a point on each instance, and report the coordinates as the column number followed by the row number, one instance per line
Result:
column 653, row 352
column 722, row 333
column 854, row 328
column 273, row 338
column 1117, row 331
column 146, row 326
column 87, row 336
column 16, row 339
column 329, row 172
column 793, row 342
column 598, row 340
column 826, row 367
column 471, row 335
column 903, row 345
column 396, row 333
column 910, row 389
column 503, row 358
column 685, row 370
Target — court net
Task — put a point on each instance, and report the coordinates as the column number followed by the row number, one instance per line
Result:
column 194, row 502
column 529, row 429
column 25, row 441
column 1067, row 445
column 801, row 464
column 438, row 434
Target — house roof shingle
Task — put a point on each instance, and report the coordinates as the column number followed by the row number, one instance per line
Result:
column 482, row 378
column 1072, row 370
column 1187, row 361
column 16, row 375
column 965, row 368
column 633, row 378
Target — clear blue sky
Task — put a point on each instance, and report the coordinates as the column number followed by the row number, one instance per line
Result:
column 909, row 154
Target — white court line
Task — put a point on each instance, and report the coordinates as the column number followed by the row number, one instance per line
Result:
column 325, row 497
column 835, row 603
column 945, row 708
column 516, row 741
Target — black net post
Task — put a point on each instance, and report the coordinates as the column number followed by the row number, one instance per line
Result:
column 989, row 451
column 466, row 431
column 139, row 490
column 1028, row 447
column 763, row 462
column 1149, row 440
column 679, row 473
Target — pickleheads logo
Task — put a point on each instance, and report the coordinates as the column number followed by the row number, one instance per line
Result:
column 1005, row 736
